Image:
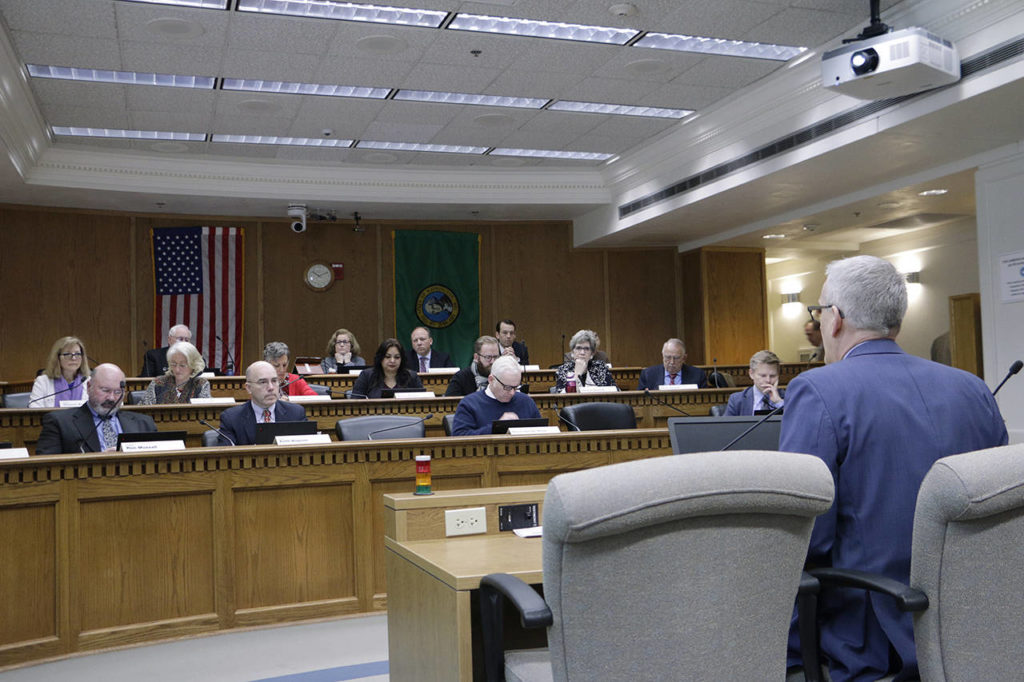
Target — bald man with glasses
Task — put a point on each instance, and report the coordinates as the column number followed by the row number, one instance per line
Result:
column 500, row 400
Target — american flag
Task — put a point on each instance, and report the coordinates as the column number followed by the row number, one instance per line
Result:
column 200, row 276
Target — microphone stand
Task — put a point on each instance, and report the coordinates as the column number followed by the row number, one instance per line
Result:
column 647, row 392
column 752, row 427
column 219, row 432
column 1014, row 368
column 371, row 434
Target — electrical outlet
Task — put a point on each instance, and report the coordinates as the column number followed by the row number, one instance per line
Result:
column 465, row 521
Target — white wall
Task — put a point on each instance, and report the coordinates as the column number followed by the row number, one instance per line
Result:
column 946, row 257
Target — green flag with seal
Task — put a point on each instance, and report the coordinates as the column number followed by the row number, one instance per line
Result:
column 437, row 286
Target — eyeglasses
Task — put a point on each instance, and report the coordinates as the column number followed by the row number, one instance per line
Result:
column 812, row 308
column 488, row 358
column 112, row 392
column 182, row 339
column 506, row 386
column 265, row 382
column 342, row 342
column 178, row 365
column 72, row 356
column 582, row 348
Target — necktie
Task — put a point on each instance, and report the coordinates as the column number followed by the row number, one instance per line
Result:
column 109, row 435
column 423, row 364
column 672, row 378
column 266, row 416
column 767, row 401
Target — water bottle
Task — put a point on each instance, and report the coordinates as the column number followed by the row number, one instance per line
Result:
column 570, row 382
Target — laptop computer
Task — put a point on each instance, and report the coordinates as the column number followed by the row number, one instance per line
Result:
column 266, row 433
column 503, row 425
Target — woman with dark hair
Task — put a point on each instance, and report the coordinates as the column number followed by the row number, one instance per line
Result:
column 389, row 371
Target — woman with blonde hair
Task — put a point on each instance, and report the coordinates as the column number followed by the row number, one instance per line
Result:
column 65, row 376
column 182, row 382
column 342, row 353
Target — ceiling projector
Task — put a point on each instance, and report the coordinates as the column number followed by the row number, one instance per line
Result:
column 891, row 65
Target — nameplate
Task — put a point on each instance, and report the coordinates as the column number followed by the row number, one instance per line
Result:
column 414, row 395
column 531, row 368
column 532, row 430
column 306, row 368
column 677, row 387
column 212, row 401
column 153, row 446
column 356, row 372
column 208, row 375
column 72, row 403
column 305, row 439
column 13, row 453
column 442, row 370
column 309, row 398
column 597, row 389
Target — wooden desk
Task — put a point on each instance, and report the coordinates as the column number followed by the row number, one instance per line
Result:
column 433, row 631
column 22, row 426
column 108, row 550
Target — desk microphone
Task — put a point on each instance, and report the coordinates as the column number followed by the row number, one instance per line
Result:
column 74, row 384
column 214, row 428
column 1014, row 368
column 571, row 425
column 230, row 369
column 648, row 393
column 371, row 434
column 752, row 427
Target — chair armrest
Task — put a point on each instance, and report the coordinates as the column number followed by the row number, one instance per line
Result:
column 533, row 613
column 907, row 598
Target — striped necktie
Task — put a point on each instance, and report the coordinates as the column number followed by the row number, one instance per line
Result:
column 266, row 416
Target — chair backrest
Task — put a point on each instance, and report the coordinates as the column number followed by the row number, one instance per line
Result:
column 596, row 416
column 721, row 380
column 320, row 388
column 361, row 428
column 968, row 550
column 448, row 421
column 210, row 438
column 135, row 397
column 15, row 399
column 718, row 410
column 693, row 564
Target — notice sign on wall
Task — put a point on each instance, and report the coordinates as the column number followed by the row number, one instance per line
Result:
column 1011, row 276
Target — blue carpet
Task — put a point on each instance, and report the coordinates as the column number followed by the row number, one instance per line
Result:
column 346, row 672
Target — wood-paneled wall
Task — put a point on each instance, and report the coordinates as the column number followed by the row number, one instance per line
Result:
column 90, row 274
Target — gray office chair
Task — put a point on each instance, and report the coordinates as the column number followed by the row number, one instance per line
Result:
column 718, row 410
column 135, row 397
column 968, row 547
column 320, row 388
column 721, row 380
column 210, row 438
column 596, row 416
column 448, row 421
column 665, row 568
column 363, row 428
column 13, row 400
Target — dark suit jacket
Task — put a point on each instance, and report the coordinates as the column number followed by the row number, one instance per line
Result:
column 462, row 382
column 652, row 377
column 522, row 352
column 155, row 362
column 239, row 422
column 438, row 358
column 73, row 430
column 879, row 419
column 742, row 403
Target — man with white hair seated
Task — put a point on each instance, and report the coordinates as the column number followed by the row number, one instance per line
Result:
column 500, row 400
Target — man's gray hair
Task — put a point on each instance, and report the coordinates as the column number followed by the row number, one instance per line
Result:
column 675, row 342
column 506, row 363
column 764, row 357
column 869, row 291
column 275, row 350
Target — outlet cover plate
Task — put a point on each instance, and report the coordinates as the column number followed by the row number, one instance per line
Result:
column 470, row 521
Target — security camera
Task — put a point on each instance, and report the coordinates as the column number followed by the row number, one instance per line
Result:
column 297, row 212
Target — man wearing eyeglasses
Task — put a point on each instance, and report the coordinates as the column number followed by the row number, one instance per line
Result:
column 238, row 423
column 154, row 363
column 673, row 369
column 879, row 418
column 474, row 378
column 500, row 400
column 94, row 426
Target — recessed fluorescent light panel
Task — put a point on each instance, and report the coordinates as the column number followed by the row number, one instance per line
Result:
column 542, row 29
column 720, row 46
column 346, row 11
column 466, row 98
column 128, row 134
column 550, row 154
column 120, row 77
column 618, row 109
column 205, row 4
column 289, row 141
column 284, row 87
column 416, row 147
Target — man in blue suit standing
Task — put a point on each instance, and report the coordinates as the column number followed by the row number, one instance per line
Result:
column 673, row 369
column 764, row 394
column 879, row 418
column 239, row 423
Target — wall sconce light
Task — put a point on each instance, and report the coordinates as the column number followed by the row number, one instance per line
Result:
column 791, row 298
column 913, row 277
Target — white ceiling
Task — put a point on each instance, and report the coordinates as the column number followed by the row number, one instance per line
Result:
column 110, row 34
